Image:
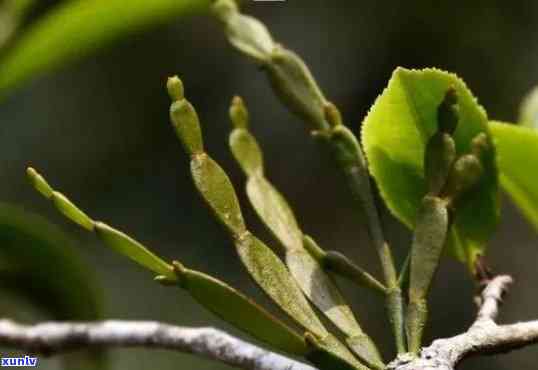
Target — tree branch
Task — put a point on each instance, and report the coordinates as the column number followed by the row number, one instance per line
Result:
column 483, row 337
column 57, row 337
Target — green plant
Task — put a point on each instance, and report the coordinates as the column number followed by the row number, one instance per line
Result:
column 435, row 157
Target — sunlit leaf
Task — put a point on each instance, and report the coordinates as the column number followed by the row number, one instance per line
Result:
column 394, row 136
column 74, row 29
column 517, row 149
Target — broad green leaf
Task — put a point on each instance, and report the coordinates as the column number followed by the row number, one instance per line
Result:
column 76, row 28
column 39, row 263
column 528, row 113
column 238, row 310
column 394, row 135
column 517, row 149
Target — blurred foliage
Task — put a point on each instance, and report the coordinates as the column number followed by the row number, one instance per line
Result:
column 39, row 263
column 517, row 149
column 74, row 29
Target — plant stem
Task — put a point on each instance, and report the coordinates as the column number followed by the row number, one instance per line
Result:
column 350, row 158
column 297, row 89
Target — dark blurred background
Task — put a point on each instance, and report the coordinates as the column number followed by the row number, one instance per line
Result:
column 99, row 130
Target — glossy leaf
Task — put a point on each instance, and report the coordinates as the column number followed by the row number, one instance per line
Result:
column 238, row 310
column 394, row 135
column 115, row 239
column 517, row 149
column 75, row 29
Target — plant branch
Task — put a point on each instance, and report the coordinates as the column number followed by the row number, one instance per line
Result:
column 296, row 87
column 491, row 298
column 57, row 337
column 484, row 337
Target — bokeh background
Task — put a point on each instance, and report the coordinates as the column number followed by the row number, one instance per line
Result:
column 99, row 130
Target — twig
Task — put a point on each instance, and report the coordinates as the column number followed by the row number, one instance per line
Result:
column 58, row 337
column 483, row 337
column 492, row 297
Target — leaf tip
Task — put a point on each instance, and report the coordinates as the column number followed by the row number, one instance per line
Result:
column 175, row 88
column 39, row 183
column 239, row 113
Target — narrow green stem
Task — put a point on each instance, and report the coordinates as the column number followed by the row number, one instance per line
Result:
column 350, row 158
column 404, row 270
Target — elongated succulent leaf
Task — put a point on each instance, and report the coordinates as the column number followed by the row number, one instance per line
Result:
column 113, row 238
column 274, row 211
column 262, row 263
column 394, row 136
column 517, row 149
column 236, row 309
column 274, row 278
column 75, row 29
column 216, row 188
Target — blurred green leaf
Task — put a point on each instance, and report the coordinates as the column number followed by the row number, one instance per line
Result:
column 12, row 13
column 517, row 149
column 39, row 263
column 395, row 134
column 528, row 112
column 74, row 29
